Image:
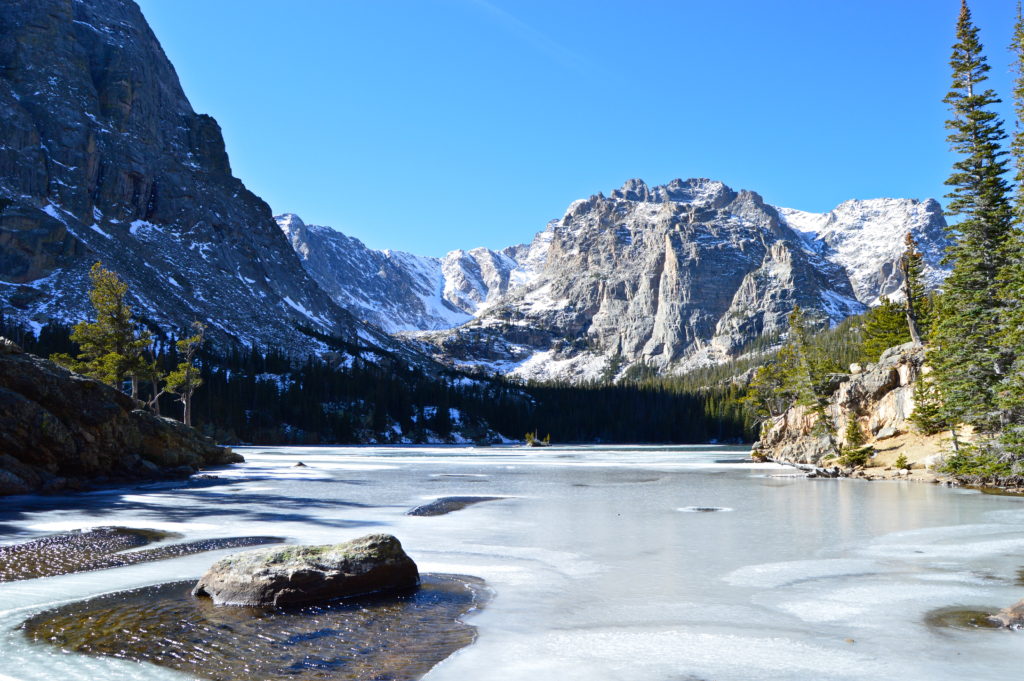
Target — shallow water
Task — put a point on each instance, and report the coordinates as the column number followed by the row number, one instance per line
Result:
column 395, row 637
column 601, row 563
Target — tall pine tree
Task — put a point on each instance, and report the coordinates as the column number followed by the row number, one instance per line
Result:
column 112, row 347
column 968, row 358
column 915, row 298
column 1011, row 393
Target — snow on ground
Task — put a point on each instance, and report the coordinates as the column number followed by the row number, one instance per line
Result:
column 96, row 228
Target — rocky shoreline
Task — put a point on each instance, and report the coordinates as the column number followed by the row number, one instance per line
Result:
column 63, row 431
column 880, row 398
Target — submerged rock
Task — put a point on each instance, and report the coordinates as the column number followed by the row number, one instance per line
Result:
column 397, row 637
column 968, row 619
column 447, row 505
column 304, row 575
column 101, row 548
column 1011, row 618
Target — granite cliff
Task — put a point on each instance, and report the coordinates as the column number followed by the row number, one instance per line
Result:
column 672, row 277
column 668, row 277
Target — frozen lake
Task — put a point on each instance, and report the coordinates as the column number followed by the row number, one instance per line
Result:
column 601, row 566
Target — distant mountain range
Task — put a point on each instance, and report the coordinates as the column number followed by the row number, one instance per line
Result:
column 103, row 159
column 672, row 277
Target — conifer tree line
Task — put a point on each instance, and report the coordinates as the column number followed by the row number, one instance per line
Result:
column 977, row 345
column 249, row 395
column 974, row 328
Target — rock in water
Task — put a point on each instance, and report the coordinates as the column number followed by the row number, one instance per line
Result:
column 1011, row 618
column 305, row 575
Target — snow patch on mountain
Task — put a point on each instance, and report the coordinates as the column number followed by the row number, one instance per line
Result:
column 865, row 238
column 403, row 292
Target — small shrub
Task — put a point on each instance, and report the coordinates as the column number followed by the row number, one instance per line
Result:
column 977, row 462
column 901, row 461
column 852, row 457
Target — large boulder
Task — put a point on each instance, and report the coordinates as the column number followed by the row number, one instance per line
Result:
column 305, row 575
column 1012, row 617
column 61, row 429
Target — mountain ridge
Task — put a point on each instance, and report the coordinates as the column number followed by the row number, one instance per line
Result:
column 104, row 159
column 507, row 335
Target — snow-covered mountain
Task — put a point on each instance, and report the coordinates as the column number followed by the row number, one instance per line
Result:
column 671, row 277
column 102, row 158
column 865, row 238
column 399, row 291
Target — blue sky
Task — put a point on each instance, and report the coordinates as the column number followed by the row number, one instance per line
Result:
column 428, row 125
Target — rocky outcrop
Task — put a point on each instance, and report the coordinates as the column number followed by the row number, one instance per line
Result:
column 880, row 398
column 304, row 575
column 59, row 429
column 668, row 277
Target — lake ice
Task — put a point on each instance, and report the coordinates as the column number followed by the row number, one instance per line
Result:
column 598, row 566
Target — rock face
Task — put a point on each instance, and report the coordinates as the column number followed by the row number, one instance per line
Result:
column 399, row 291
column 60, row 429
column 880, row 397
column 666, row 276
column 103, row 158
column 303, row 575
column 670, row 277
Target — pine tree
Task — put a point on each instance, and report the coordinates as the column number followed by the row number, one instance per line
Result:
column 915, row 297
column 770, row 391
column 112, row 347
column 928, row 414
column 809, row 378
column 854, row 452
column 967, row 358
column 1011, row 393
column 885, row 326
column 186, row 378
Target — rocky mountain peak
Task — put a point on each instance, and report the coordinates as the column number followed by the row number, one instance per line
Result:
column 104, row 159
column 700, row 191
column 866, row 238
column 670, row 276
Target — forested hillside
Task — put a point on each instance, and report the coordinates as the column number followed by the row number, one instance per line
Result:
column 270, row 398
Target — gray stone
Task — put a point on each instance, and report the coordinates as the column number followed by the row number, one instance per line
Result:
column 304, row 575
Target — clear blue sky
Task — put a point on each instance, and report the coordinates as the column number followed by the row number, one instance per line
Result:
column 428, row 125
